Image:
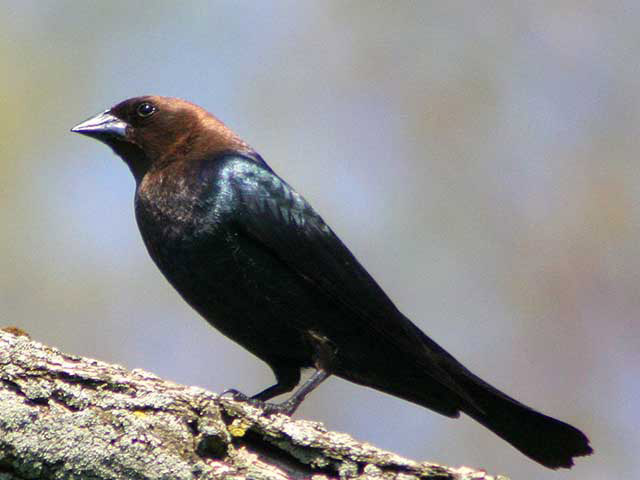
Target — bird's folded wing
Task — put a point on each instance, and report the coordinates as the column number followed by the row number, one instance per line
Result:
column 272, row 213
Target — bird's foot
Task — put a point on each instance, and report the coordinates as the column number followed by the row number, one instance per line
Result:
column 285, row 408
column 235, row 395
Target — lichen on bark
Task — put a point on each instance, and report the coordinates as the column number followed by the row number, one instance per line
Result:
column 67, row 417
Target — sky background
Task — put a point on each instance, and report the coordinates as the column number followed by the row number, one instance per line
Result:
column 479, row 158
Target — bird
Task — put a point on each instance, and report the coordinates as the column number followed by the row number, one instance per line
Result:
column 255, row 259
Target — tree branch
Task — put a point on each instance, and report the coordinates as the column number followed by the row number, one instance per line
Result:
column 64, row 416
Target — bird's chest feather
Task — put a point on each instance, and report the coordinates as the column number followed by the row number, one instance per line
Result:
column 182, row 228
column 226, row 277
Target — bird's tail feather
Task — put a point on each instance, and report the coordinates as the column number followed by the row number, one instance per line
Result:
column 546, row 440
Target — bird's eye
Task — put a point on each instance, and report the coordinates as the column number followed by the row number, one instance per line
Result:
column 145, row 109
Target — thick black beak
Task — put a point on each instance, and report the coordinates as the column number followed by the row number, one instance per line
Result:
column 102, row 125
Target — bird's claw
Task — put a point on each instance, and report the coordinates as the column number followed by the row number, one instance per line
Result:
column 241, row 397
column 235, row 395
column 284, row 408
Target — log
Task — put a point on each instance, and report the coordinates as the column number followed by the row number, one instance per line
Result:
column 63, row 416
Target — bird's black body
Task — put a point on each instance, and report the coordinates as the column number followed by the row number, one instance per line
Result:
column 253, row 258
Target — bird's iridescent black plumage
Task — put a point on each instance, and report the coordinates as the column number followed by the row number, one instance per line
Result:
column 252, row 256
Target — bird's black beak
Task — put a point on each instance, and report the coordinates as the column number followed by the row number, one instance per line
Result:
column 101, row 126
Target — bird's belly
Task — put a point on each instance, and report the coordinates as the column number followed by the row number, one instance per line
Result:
column 243, row 295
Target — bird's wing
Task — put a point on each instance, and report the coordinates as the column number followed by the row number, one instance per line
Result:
column 270, row 212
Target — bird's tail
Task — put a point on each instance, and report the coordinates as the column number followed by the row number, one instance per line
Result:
column 546, row 440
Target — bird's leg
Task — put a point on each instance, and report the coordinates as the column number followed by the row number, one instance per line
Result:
column 324, row 355
column 288, row 406
column 293, row 402
column 286, row 380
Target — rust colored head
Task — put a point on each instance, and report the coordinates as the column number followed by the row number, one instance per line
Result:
column 149, row 132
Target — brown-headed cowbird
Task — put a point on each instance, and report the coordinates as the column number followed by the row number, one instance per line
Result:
column 250, row 254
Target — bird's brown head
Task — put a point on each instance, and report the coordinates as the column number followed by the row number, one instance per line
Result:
column 150, row 132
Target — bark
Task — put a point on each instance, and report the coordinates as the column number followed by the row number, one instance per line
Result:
column 67, row 417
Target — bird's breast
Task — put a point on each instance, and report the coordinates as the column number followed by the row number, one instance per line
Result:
column 175, row 226
column 219, row 273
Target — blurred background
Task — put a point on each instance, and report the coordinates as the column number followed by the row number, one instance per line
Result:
column 479, row 158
